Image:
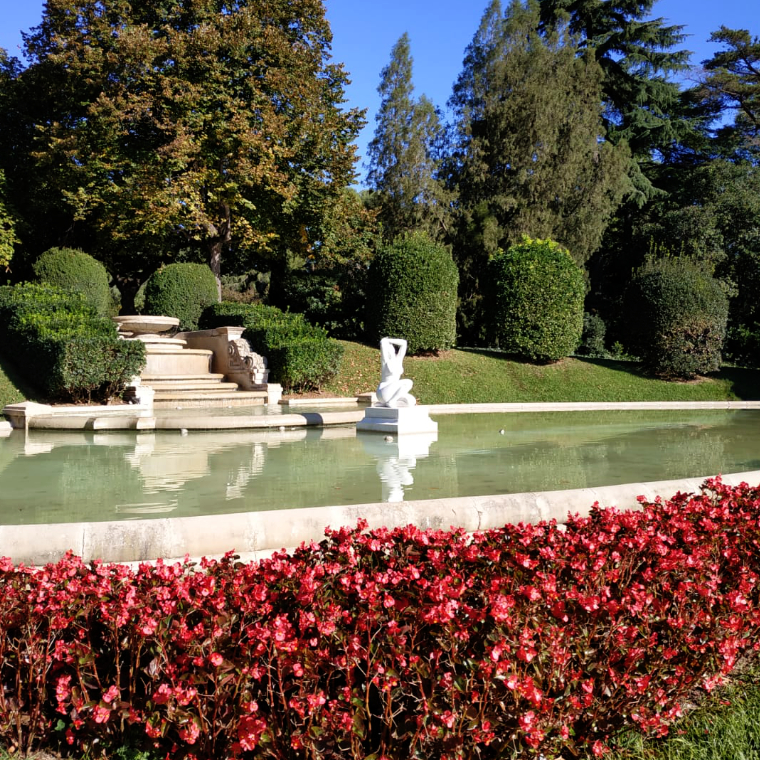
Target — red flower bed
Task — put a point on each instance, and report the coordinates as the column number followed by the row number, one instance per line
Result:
column 401, row 644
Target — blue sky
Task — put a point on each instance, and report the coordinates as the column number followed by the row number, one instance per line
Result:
column 365, row 30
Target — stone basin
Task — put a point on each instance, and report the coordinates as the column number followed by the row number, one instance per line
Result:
column 139, row 324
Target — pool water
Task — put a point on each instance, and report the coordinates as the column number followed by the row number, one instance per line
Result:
column 60, row 476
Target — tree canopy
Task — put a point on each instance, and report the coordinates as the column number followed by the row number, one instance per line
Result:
column 215, row 123
column 402, row 168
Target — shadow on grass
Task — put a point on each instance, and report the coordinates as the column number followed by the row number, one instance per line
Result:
column 745, row 383
column 11, row 372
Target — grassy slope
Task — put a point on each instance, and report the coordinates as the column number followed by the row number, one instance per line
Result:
column 471, row 376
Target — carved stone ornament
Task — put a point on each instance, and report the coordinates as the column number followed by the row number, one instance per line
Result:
column 242, row 359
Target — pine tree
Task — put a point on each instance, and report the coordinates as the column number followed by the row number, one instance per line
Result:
column 530, row 156
column 402, row 167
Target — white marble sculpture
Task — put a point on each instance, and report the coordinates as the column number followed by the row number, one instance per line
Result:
column 393, row 392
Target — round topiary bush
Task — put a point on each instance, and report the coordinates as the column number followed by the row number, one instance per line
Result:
column 535, row 301
column 182, row 291
column 676, row 314
column 412, row 294
column 76, row 270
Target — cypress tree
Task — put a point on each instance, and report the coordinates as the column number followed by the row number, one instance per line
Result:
column 402, row 167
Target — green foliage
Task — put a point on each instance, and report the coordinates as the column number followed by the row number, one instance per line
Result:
column 182, row 291
column 63, row 346
column 676, row 314
column 592, row 338
column 300, row 356
column 214, row 126
column 413, row 283
column 636, row 54
column 535, row 304
column 535, row 163
column 73, row 269
column 402, row 166
column 334, row 299
column 8, row 237
column 732, row 81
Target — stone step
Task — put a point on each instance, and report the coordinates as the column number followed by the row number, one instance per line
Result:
column 175, row 399
column 188, row 361
column 157, row 380
column 205, row 386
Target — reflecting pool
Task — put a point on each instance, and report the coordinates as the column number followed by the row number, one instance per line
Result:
column 57, row 476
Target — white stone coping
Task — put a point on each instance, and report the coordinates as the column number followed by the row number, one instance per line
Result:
column 55, row 416
column 255, row 534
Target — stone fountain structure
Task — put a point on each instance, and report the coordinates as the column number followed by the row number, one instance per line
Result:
column 196, row 369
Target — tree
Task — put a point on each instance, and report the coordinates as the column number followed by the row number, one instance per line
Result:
column 636, row 54
column 402, row 167
column 216, row 123
column 732, row 81
column 530, row 155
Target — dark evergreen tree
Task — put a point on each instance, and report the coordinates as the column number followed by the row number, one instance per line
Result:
column 637, row 54
column 402, row 167
column 529, row 155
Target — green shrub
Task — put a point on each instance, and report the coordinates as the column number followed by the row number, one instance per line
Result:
column 334, row 299
column 593, row 336
column 676, row 315
column 63, row 346
column 535, row 301
column 73, row 269
column 742, row 345
column 182, row 291
column 300, row 356
column 413, row 294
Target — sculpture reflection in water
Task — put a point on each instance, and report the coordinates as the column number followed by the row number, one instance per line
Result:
column 396, row 459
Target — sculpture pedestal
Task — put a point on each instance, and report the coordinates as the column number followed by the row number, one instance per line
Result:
column 403, row 420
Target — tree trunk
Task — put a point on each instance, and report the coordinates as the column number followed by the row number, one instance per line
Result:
column 216, row 246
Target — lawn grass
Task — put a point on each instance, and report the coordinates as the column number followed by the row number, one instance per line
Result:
column 472, row 376
column 725, row 727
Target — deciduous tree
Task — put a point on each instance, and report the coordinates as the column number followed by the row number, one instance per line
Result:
column 217, row 123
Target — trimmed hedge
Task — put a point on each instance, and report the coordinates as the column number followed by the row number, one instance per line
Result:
column 300, row 356
column 676, row 315
column 535, row 301
column 63, row 346
column 523, row 641
column 413, row 294
column 76, row 270
column 182, row 291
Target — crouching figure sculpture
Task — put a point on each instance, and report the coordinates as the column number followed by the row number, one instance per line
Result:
column 393, row 392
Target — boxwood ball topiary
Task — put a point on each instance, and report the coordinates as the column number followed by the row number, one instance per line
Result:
column 676, row 314
column 412, row 294
column 535, row 301
column 182, row 291
column 76, row 270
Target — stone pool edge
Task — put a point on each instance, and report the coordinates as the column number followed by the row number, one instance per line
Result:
column 28, row 415
column 255, row 535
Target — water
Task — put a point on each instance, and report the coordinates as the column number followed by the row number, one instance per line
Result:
column 57, row 476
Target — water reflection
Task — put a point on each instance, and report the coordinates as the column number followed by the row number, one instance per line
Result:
column 58, row 476
column 396, row 459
